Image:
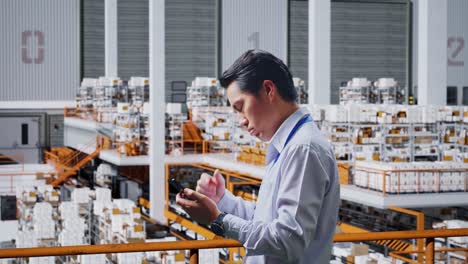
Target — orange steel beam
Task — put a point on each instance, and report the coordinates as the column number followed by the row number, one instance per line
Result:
column 244, row 176
column 357, row 237
column 347, row 228
column 148, row 219
column 75, row 168
column 436, row 250
column 63, row 167
column 166, row 185
column 177, row 235
column 245, row 195
column 120, row 248
column 74, row 155
column 189, row 224
column 244, row 183
column 396, row 256
column 143, row 202
column 206, row 166
column 50, row 155
column 419, row 226
column 218, row 243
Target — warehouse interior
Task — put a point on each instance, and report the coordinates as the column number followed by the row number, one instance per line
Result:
column 104, row 101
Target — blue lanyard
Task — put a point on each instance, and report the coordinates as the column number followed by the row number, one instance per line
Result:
column 305, row 119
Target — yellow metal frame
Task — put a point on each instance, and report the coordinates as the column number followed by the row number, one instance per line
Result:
column 419, row 226
column 194, row 246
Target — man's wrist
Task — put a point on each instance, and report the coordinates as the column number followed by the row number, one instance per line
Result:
column 217, row 226
column 216, row 215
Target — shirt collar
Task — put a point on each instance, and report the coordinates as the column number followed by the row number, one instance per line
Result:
column 282, row 133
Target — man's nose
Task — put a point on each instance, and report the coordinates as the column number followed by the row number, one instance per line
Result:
column 244, row 122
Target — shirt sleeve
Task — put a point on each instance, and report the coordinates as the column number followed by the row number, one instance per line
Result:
column 304, row 182
column 236, row 206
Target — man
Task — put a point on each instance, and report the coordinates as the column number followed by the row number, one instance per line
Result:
column 295, row 215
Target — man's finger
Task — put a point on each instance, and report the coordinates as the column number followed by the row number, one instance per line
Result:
column 205, row 177
column 185, row 202
column 193, row 195
column 218, row 176
column 201, row 189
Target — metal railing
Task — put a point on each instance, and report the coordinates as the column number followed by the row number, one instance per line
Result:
column 195, row 246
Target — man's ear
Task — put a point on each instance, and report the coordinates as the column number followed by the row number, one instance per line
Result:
column 270, row 89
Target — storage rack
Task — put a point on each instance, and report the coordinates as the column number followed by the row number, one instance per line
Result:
column 144, row 130
column 366, row 139
column 205, row 91
column 450, row 125
column 425, row 142
column 357, row 91
column 217, row 126
column 127, row 130
column 362, row 91
column 84, row 98
column 138, row 92
column 412, row 177
column 339, row 134
column 175, row 129
column 400, row 133
column 107, row 93
column 396, row 143
column 389, row 92
column 301, row 89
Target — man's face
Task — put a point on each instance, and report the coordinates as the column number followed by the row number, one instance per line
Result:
column 253, row 111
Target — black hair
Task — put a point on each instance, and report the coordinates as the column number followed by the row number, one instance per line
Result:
column 255, row 66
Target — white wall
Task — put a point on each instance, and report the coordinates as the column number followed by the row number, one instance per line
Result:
column 457, row 43
column 457, row 52
column 250, row 24
column 8, row 230
column 11, row 138
column 39, row 50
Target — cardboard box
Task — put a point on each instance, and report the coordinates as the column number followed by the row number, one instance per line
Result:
column 359, row 249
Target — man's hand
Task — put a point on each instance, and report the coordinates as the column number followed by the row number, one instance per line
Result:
column 200, row 207
column 213, row 187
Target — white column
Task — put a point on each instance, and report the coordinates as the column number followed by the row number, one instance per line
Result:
column 432, row 52
column 110, row 38
column 157, row 103
column 319, row 51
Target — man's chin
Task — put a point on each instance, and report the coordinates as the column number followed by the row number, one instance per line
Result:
column 262, row 137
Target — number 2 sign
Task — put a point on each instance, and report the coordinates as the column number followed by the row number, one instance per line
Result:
column 455, row 46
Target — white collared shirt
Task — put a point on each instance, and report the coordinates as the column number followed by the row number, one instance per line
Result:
column 295, row 215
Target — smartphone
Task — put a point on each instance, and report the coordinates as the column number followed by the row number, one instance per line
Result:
column 175, row 186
